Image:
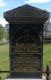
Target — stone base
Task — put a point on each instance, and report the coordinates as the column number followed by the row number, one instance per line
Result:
column 24, row 79
column 43, row 78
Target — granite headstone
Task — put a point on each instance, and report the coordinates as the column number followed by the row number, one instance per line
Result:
column 26, row 41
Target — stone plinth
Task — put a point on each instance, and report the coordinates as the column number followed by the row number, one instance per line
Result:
column 25, row 79
column 43, row 78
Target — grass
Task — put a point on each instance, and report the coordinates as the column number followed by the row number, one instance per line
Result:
column 4, row 57
column 46, row 55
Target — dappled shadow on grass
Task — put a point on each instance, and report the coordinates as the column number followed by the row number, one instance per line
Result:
column 4, row 76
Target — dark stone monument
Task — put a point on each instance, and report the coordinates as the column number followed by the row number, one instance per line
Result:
column 26, row 41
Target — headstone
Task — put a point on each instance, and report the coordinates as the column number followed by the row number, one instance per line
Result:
column 26, row 41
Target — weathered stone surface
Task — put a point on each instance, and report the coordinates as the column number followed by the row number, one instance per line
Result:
column 26, row 41
column 26, row 13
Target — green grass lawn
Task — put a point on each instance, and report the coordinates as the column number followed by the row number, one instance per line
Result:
column 46, row 55
column 4, row 57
